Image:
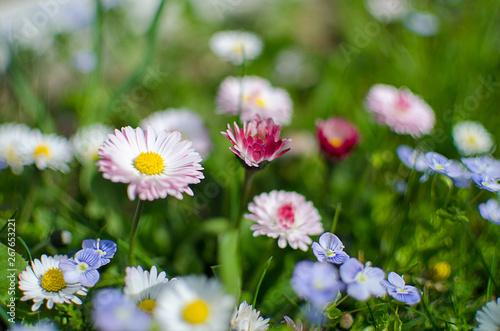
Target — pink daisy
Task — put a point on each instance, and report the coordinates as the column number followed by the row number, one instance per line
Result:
column 258, row 142
column 153, row 166
column 401, row 110
column 337, row 137
column 286, row 215
column 254, row 96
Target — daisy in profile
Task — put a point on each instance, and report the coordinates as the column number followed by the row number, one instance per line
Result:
column 48, row 151
column 247, row 319
column 337, row 137
column 12, row 138
column 194, row 303
column 257, row 143
column 254, row 96
column 471, row 138
column 144, row 286
column 287, row 216
column 401, row 110
column 489, row 316
column 236, row 47
column 86, row 141
column 153, row 166
column 187, row 122
column 44, row 280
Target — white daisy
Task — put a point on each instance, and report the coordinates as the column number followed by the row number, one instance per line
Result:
column 471, row 138
column 247, row 319
column 86, row 141
column 489, row 317
column 194, row 303
column 43, row 280
column 386, row 10
column 236, row 46
column 184, row 120
column 144, row 286
column 48, row 151
column 13, row 137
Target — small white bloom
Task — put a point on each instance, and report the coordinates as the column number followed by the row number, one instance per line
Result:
column 87, row 140
column 236, row 47
column 489, row 317
column 43, row 280
column 13, row 137
column 247, row 319
column 471, row 138
column 386, row 10
column 48, row 151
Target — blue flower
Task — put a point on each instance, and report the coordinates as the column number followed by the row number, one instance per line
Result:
column 316, row 282
column 459, row 174
column 106, row 248
column 490, row 210
column 82, row 268
column 486, row 183
column 362, row 282
column 113, row 311
column 330, row 248
column 483, row 165
column 411, row 158
column 396, row 288
column 437, row 162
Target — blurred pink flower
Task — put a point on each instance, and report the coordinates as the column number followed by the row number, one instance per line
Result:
column 337, row 137
column 286, row 215
column 258, row 142
column 401, row 110
column 153, row 166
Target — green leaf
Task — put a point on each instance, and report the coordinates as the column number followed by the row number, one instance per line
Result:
column 334, row 314
column 229, row 261
column 11, row 264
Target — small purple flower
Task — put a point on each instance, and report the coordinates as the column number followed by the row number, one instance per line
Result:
column 114, row 311
column 362, row 282
column 106, row 248
column 316, row 282
column 490, row 210
column 437, row 162
column 330, row 248
column 396, row 288
column 411, row 158
column 460, row 175
column 486, row 183
column 82, row 268
column 483, row 165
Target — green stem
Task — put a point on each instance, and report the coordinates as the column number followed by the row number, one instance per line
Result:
column 373, row 316
column 133, row 233
column 245, row 193
column 338, row 209
column 429, row 315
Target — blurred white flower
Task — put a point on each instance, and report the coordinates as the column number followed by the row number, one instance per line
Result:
column 471, row 138
column 386, row 10
column 421, row 23
column 236, row 47
column 86, row 141
column 84, row 61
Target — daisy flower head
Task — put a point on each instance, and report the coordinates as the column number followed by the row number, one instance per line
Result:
column 236, row 47
column 114, row 311
column 329, row 249
column 247, row 319
column 144, row 286
column 254, row 96
column 386, row 10
column 471, row 138
column 489, row 316
column 401, row 110
column 44, row 280
column 187, row 122
column 86, row 141
column 319, row 283
column 362, row 281
column 337, row 137
column 48, row 151
column 257, row 143
column 153, row 166
column 490, row 210
column 82, row 268
column 194, row 303
column 106, row 248
column 13, row 137
column 287, row 216
column 397, row 289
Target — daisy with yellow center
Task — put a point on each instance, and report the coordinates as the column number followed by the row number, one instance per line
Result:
column 236, row 47
column 471, row 138
column 154, row 166
column 13, row 137
column 48, row 151
column 44, row 280
column 194, row 303
column 86, row 141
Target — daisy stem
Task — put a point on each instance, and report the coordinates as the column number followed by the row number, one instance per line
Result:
column 245, row 193
column 338, row 209
column 133, row 233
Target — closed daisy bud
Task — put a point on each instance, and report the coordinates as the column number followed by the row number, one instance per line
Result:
column 337, row 137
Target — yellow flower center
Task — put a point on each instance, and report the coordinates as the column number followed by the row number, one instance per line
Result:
column 53, row 280
column 238, row 48
column 149, row 163
column 471, row 141
column 260, row 102
column 335, row 142
column 147, row 305
column 442, row 270
column 196, row 312
column 42, row 151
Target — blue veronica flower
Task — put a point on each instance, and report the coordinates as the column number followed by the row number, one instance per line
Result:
column 113, row 311
column 490, row 210
column 106, row 248
column 330, row 248
column 316, row 282
column 82, row 268
column 486, row 183
column 459, row 174
column 483, row 165
column 411, row 158
column 362, row 282
column 396, row 288
column 437, row 162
